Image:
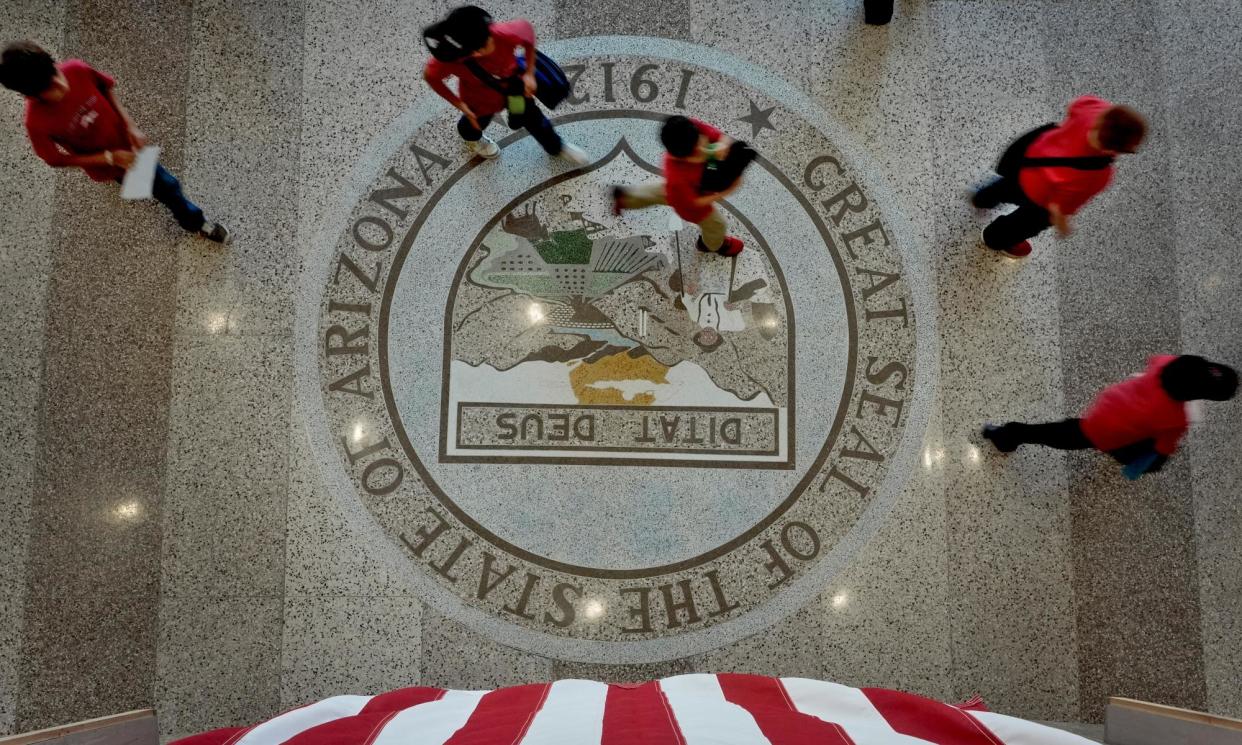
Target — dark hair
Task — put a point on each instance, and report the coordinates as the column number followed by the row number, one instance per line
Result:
column 470, row 25
column 1190, row 377
column 680, row 136
column 26, row 68
column 1122, row 129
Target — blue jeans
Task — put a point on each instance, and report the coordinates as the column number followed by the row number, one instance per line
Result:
column 533, row 120
column 167, row 189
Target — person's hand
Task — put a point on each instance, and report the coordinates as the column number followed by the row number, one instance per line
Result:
column 137, row 140
column 470, row 117
column 528, row 80
column 1060, row 220
column 122, row 158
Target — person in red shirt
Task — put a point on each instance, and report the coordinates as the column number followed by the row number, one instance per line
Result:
column 1053, row 171
column 493, row 47
column 689, row 144
column 1141, row 417
column 74, row 121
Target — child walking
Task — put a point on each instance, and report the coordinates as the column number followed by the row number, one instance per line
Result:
column 74, row 120
column 1139, row 421
column 481, row 54
column 1051, row 172
column 690, row 144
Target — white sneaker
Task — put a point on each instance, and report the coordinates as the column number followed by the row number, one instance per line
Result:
column 573, row 154
column 485, row 147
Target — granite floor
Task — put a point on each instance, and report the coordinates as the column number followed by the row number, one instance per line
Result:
column 236, row 480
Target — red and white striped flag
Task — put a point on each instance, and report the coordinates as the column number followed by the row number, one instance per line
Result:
column 725, row 709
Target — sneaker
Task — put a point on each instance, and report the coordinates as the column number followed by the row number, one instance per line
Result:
column 732, row 246
column 995, row 434
column 983, row 204
column 214, row 231
column 617, row 193
column 1020, row 251
column 574, row 155
column 484, row 147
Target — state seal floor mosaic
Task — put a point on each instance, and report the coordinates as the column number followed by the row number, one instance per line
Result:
column 444, row 420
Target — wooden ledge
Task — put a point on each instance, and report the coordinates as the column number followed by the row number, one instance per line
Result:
column 1172, row 712
column 51, row 733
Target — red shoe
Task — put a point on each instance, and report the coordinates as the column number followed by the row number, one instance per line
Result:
column 733, row 246
column 1020, row 251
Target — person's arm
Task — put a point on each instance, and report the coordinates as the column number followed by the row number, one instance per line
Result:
column 57, row 157
column 1059, row 219
column 137, row 140
column 435, row 78
column 528, row 77
column 525, row 33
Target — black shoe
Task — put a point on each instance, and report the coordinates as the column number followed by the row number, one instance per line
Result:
column 214, row 231
column 878, row 12
column 980, row 199
column 996, row 435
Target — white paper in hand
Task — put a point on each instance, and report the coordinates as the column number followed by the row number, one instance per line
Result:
column 140, row 177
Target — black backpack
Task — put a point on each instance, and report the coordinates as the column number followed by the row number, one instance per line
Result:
column 719, row 175
column 552, row 84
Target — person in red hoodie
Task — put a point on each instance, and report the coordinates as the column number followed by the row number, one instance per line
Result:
column 74, row 121
column 1051, row 172
column 689, row 144
column 1141, row 419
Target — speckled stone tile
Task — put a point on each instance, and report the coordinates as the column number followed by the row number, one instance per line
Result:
column 669, row 18
column 882, row 622
column 1200, row 60
column 85, row 657
column 348, row 644
column 27, row 194
column 224, row 500
column 243, row 133
column 1007, row 518
column 350, row 93
column 1122, row 531
column 107, row 352
column 456, row 657
column 12, row 601
column 328, row 548
column 219, row 663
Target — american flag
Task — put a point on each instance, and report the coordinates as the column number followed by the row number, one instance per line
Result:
column 724, row 709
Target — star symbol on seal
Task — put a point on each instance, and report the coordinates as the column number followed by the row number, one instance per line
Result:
column 758, row 119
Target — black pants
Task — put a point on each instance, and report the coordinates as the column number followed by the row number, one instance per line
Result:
column 533, row 120
column 1064, row 435
column 1027, row 221
column 1068, row 435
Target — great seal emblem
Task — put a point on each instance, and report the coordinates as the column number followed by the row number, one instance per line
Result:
column 590, row 439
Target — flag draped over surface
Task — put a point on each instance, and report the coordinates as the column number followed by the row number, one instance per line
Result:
column 724, row 709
